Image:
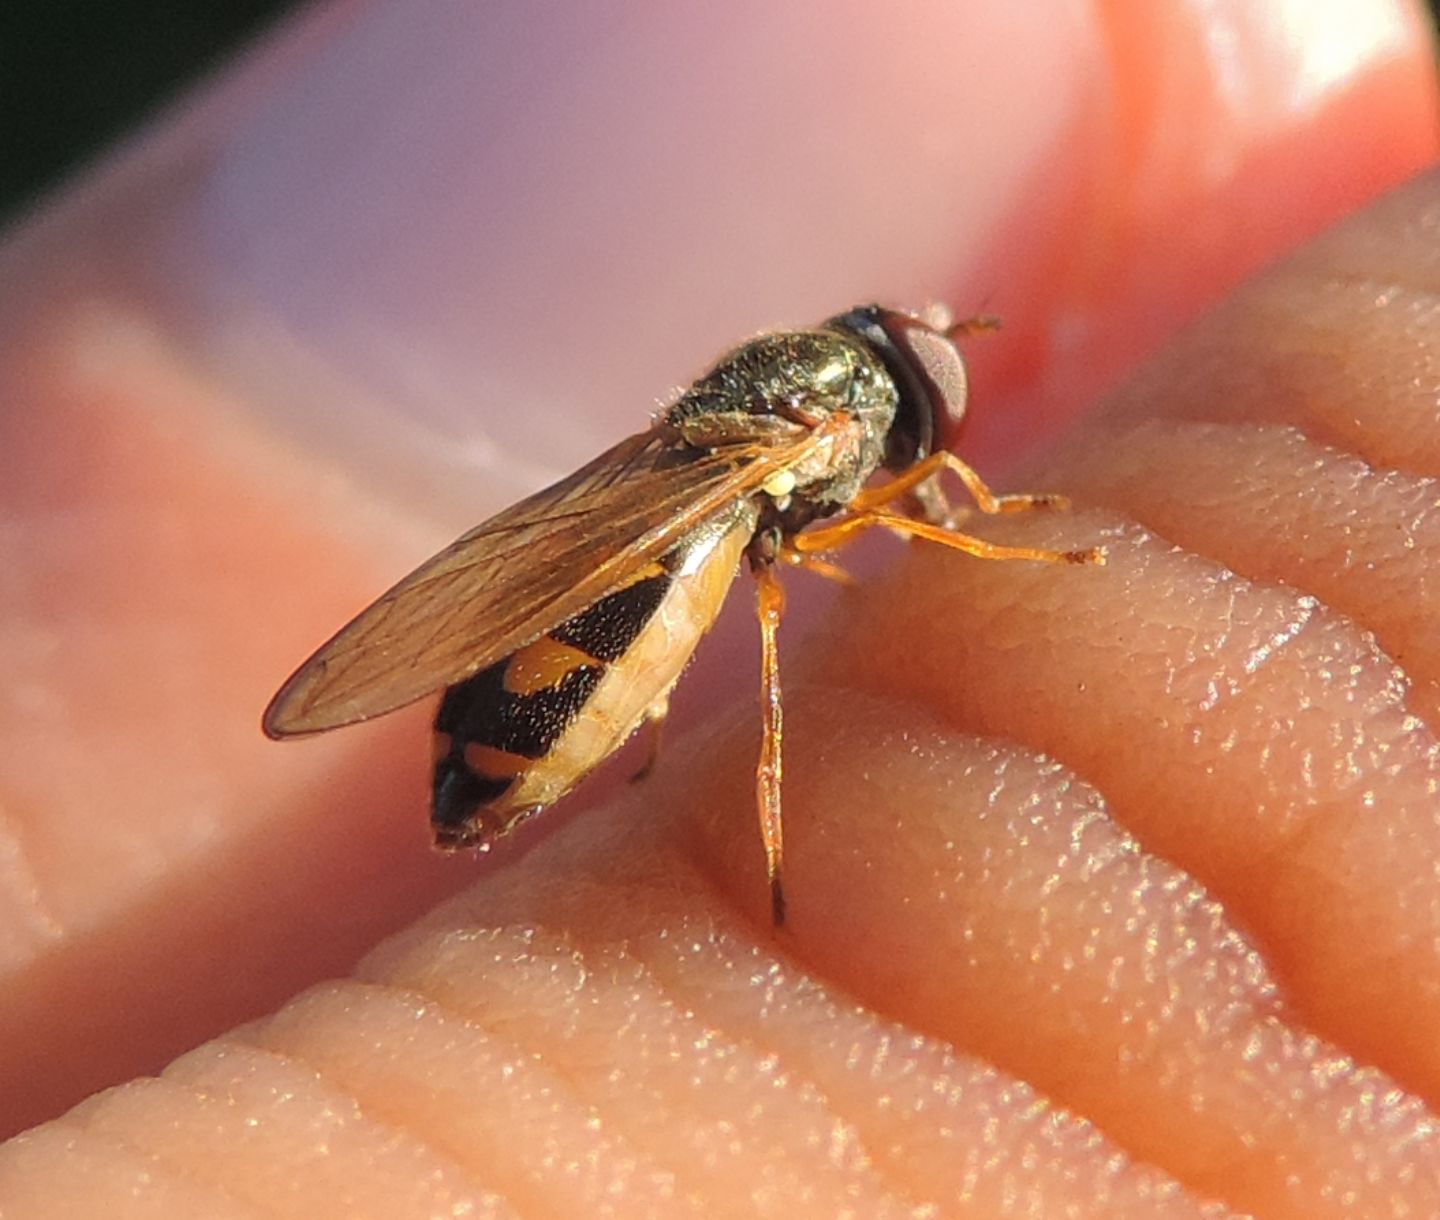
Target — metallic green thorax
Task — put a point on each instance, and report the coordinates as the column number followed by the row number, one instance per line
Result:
column 779, row 385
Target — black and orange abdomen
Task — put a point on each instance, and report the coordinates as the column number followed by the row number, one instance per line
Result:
column 517, row 736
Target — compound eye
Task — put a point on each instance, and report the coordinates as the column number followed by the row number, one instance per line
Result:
column 936, row 364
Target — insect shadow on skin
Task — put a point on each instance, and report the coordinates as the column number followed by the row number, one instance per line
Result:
column 558, row 628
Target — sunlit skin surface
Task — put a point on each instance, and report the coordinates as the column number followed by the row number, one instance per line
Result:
column 1112, row 891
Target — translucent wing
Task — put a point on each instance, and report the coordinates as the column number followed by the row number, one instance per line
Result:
column 533, row 566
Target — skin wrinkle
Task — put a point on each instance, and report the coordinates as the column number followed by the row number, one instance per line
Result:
column 853, row 1117
column 1234, row 507
column 1327, row 631
column 414, row 969
column 130, row 1108
column 198, row 1067
column 572, row 1080
column 614, row 929
column 893, row 1149
column 1251, row 1109
column 625, row 913
column 80, row 1122
column 1310, row 370
column 847, row 1117
column 130, row 1186
column 530, row 1188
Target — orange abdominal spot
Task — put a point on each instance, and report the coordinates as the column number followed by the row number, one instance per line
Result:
column 541, row 665
column 648, row 572
column 490, row 763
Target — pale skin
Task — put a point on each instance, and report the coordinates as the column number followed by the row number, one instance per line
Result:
column 1111, row 890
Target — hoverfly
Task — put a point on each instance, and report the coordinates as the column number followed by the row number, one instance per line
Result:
column 558, row 628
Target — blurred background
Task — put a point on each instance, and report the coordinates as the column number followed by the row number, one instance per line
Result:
column 75, row 74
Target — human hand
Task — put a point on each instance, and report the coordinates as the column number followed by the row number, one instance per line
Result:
column 246, row 363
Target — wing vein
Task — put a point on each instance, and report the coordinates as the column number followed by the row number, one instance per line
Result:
column 522, row 573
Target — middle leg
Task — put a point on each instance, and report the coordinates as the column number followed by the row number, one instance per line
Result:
column 769, row 607
column 986, row 500
column 828, row 537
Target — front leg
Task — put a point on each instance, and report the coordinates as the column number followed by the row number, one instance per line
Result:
column 921, row 481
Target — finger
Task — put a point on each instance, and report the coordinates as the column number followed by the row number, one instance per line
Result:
column 982, row 893
column 242, row 366
column 1316, row 486
column 1336, row 416
column 1254, row 741
column 594, row 1034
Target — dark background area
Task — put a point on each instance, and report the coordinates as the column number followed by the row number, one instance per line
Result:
column 74, row 74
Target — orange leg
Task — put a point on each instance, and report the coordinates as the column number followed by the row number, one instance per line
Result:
column 820, row 567
column 769, row 606
column 828, row 537
column 979, row 324
column 985, row 499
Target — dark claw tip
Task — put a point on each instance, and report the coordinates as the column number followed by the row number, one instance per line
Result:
column 777, row 902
